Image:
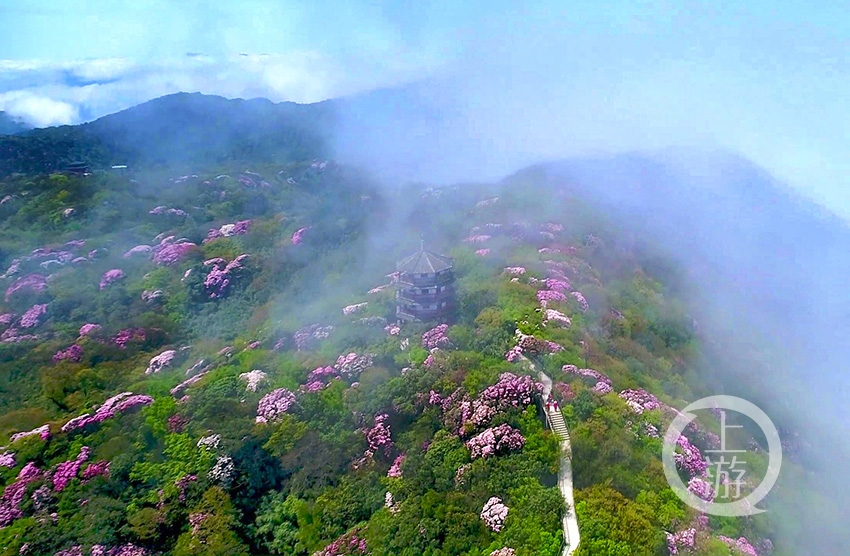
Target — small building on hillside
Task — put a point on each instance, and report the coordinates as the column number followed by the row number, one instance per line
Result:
column 425, row 286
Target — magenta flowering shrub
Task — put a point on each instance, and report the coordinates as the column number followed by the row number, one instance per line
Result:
column 221, row 275
column 67, row 470
column 305, row 337
column 7, row 318
column 182, row 485
column 298, row 236
column 274, row 404
column 349, row 544
column 111, row 276
column 544, row 297
column 480, row 238
column 378, row 436
column 557, row 317
column 352, row 364
column 504, row 552
column 34, row 282
column 7, row 459
column 169, row 251
column 159, row 362
column 13, row 495
column 32, row 316
column 394, row 471
column 515, row 270
column 512, row 391
column 392, row 329
column 170, row 211
column 582, row 302
column 702, row 489
column 436, row 337
column 495, row 440
column 558, row 284
column 482, row 252
column 602, row 388
column 43, row 431
column 741, row 544
column 494, row 514
column 72, row 353
column 351, row 309
column 110, row 408
column 640, row 400
column 99, row 468
column 235, row 229
column 253, row 379
column 127, row 335
column 682, row 539
column 688, row 457
column 88, row 329
column 137, row 250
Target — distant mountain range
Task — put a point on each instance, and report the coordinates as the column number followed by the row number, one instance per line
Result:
column 10, row 125
column 182, row 129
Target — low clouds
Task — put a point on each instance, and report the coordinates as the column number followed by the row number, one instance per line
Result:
column 45, row 94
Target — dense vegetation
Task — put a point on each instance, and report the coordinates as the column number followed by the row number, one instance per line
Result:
column 274, row 407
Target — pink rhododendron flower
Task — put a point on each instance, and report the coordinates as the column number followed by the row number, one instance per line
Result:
column 701, row 488
column 392, row 329
column 111, row 276
column 33, row 315
column 640, row 400
column 274, row 404
column 602, row 388
column 112, row 406
column 480, row 238
column 482, row 252
column 129, row 334
column 7, row 459
column 492, row 441
column 159, row 362
column 43, row 431
column 139, row 249
column 378, row 436
column 504, row 552
column 170, row 251
column 688, row 457
column 73, row 353
column 305, row 337
column 220, row 276
column 34, row 282
column 395, row 468
column 741, row 544
column 298, row 236
column 351, row 309
column 67, row 470
column 582, row 302
column 544, row 297
column 558, row 284
column 352, row 364
column 515, row 270
column 7, row 318
column 685, row 539
column 349, row 544
column 494, row 514
column 97, row 469
column 88, row 329
column 559, row 318
column 253, row 379
column 436, row 337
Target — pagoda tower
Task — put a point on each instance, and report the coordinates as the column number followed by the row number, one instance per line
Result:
column 425, row 286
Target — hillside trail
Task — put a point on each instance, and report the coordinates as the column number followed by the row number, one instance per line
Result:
column 555, row 419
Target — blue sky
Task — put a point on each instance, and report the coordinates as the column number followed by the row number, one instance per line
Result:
column 770, row 80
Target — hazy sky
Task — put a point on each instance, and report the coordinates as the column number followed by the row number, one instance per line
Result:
column 770, row 80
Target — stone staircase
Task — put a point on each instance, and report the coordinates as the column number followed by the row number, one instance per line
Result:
column 557, row 424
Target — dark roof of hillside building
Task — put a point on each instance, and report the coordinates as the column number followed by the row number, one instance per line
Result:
column 424, row 262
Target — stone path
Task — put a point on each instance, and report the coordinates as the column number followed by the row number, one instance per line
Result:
column 555, row 419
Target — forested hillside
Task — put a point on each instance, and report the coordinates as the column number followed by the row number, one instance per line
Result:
column 207, row 362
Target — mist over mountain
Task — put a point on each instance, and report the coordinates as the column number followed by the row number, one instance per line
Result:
column 10, row 125
column 761, row 271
